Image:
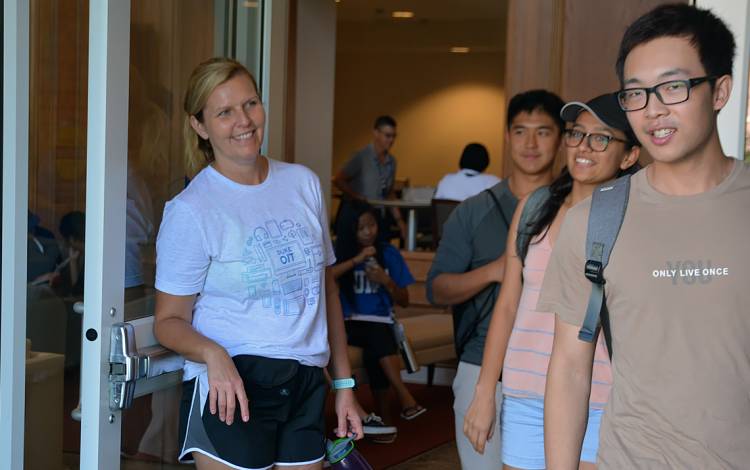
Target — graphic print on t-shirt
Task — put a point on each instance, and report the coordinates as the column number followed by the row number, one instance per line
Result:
column 362, row 284
column 689, row 272
column 282, row 266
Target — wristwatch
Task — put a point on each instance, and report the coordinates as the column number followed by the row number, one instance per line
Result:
column 339, row 384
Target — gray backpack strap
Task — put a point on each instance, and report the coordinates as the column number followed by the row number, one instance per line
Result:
column 608, row 204
column 529, row 216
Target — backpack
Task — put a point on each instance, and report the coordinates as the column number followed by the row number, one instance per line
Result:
column 461, row 341
column 608, row 204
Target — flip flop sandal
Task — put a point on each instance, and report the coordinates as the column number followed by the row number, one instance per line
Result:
column 412, row 412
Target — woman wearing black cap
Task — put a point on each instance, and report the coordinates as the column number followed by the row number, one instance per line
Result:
column 600, row 146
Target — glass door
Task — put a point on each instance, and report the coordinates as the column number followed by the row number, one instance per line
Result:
column 160, row 43
column 93, row 95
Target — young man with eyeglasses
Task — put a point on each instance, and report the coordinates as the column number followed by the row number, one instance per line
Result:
column 676, row 283
column 370, row 174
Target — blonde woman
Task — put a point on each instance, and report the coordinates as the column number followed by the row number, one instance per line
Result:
column 245, row 292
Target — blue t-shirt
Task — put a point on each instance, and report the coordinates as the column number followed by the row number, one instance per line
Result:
column 371, row 300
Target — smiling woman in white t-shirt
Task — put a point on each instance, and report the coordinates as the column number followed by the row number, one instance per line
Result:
column 244, row 290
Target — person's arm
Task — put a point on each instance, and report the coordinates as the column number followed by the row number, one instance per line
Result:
column 566, row 397
column 395, row 211
column 341, row 180
column 349, row 421
column 174, row 330
column 339, row 269
column 72, row 265
column 400, row 295
column 479, row 422
column 450, row 280
column 456, row 288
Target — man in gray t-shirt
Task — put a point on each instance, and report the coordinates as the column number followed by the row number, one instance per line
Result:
column 469, row 264
column 370, row 173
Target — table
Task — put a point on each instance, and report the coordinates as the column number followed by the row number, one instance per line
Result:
column 411, row 206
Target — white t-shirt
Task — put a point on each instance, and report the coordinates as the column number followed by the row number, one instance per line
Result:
column 463, row 184
column 257, row 255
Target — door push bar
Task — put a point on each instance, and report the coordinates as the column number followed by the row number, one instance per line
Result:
column 126, row 366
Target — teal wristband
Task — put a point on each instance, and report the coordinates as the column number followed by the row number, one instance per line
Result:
column 339, row 384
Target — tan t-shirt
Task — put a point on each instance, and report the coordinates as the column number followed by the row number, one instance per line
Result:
column 678, row 293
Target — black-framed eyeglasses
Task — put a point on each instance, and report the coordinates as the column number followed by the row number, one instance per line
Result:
column 596, row 142
column 388, row 135
column 671, row 92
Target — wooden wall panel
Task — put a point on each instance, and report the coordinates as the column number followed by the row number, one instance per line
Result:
column 168, row 39
column 567, row 46
column 593, row 30
column 57, row 107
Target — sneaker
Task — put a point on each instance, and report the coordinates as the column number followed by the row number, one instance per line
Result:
column 383, row 438
column 412, row 412
column 373, row 425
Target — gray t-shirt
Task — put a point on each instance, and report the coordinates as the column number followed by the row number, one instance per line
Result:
column 677, row 294
column 369, row 177
column 474, row 235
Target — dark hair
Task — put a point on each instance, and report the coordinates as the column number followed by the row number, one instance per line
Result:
column 705, row 31
column 385, row 120
column 73, row 225
column 347, row 246
column 475, row 157
column 559, row 190
column 536, row 100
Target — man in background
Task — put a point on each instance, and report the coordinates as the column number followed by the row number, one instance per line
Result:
column 370, row 174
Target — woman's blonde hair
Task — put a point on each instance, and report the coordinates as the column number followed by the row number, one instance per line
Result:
column 204, row 79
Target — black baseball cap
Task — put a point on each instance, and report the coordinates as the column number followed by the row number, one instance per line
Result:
column 606, row 109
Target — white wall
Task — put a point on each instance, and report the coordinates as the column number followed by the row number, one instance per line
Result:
column 732, row 119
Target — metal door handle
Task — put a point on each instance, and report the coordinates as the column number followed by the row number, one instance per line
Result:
column 125, row 366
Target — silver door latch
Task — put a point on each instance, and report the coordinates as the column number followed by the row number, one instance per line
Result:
column 125, row 366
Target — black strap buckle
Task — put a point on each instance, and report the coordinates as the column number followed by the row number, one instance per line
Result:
column 594, row 272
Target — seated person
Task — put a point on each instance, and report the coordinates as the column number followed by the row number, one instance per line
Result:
column 73, row 230
column 470, row 179
column 43, row 253
column 372, row 276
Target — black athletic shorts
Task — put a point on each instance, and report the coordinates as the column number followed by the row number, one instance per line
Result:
column 286, row 426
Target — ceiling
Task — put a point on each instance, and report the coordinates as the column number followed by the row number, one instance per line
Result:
column 424, row 10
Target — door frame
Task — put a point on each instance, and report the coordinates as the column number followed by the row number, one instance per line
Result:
column 106, row 183
column 14, row 229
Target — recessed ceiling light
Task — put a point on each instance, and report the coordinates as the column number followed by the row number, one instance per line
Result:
column 402, row 14
column 460, row 50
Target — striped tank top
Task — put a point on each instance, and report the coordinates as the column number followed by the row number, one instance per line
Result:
column 530, row 344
